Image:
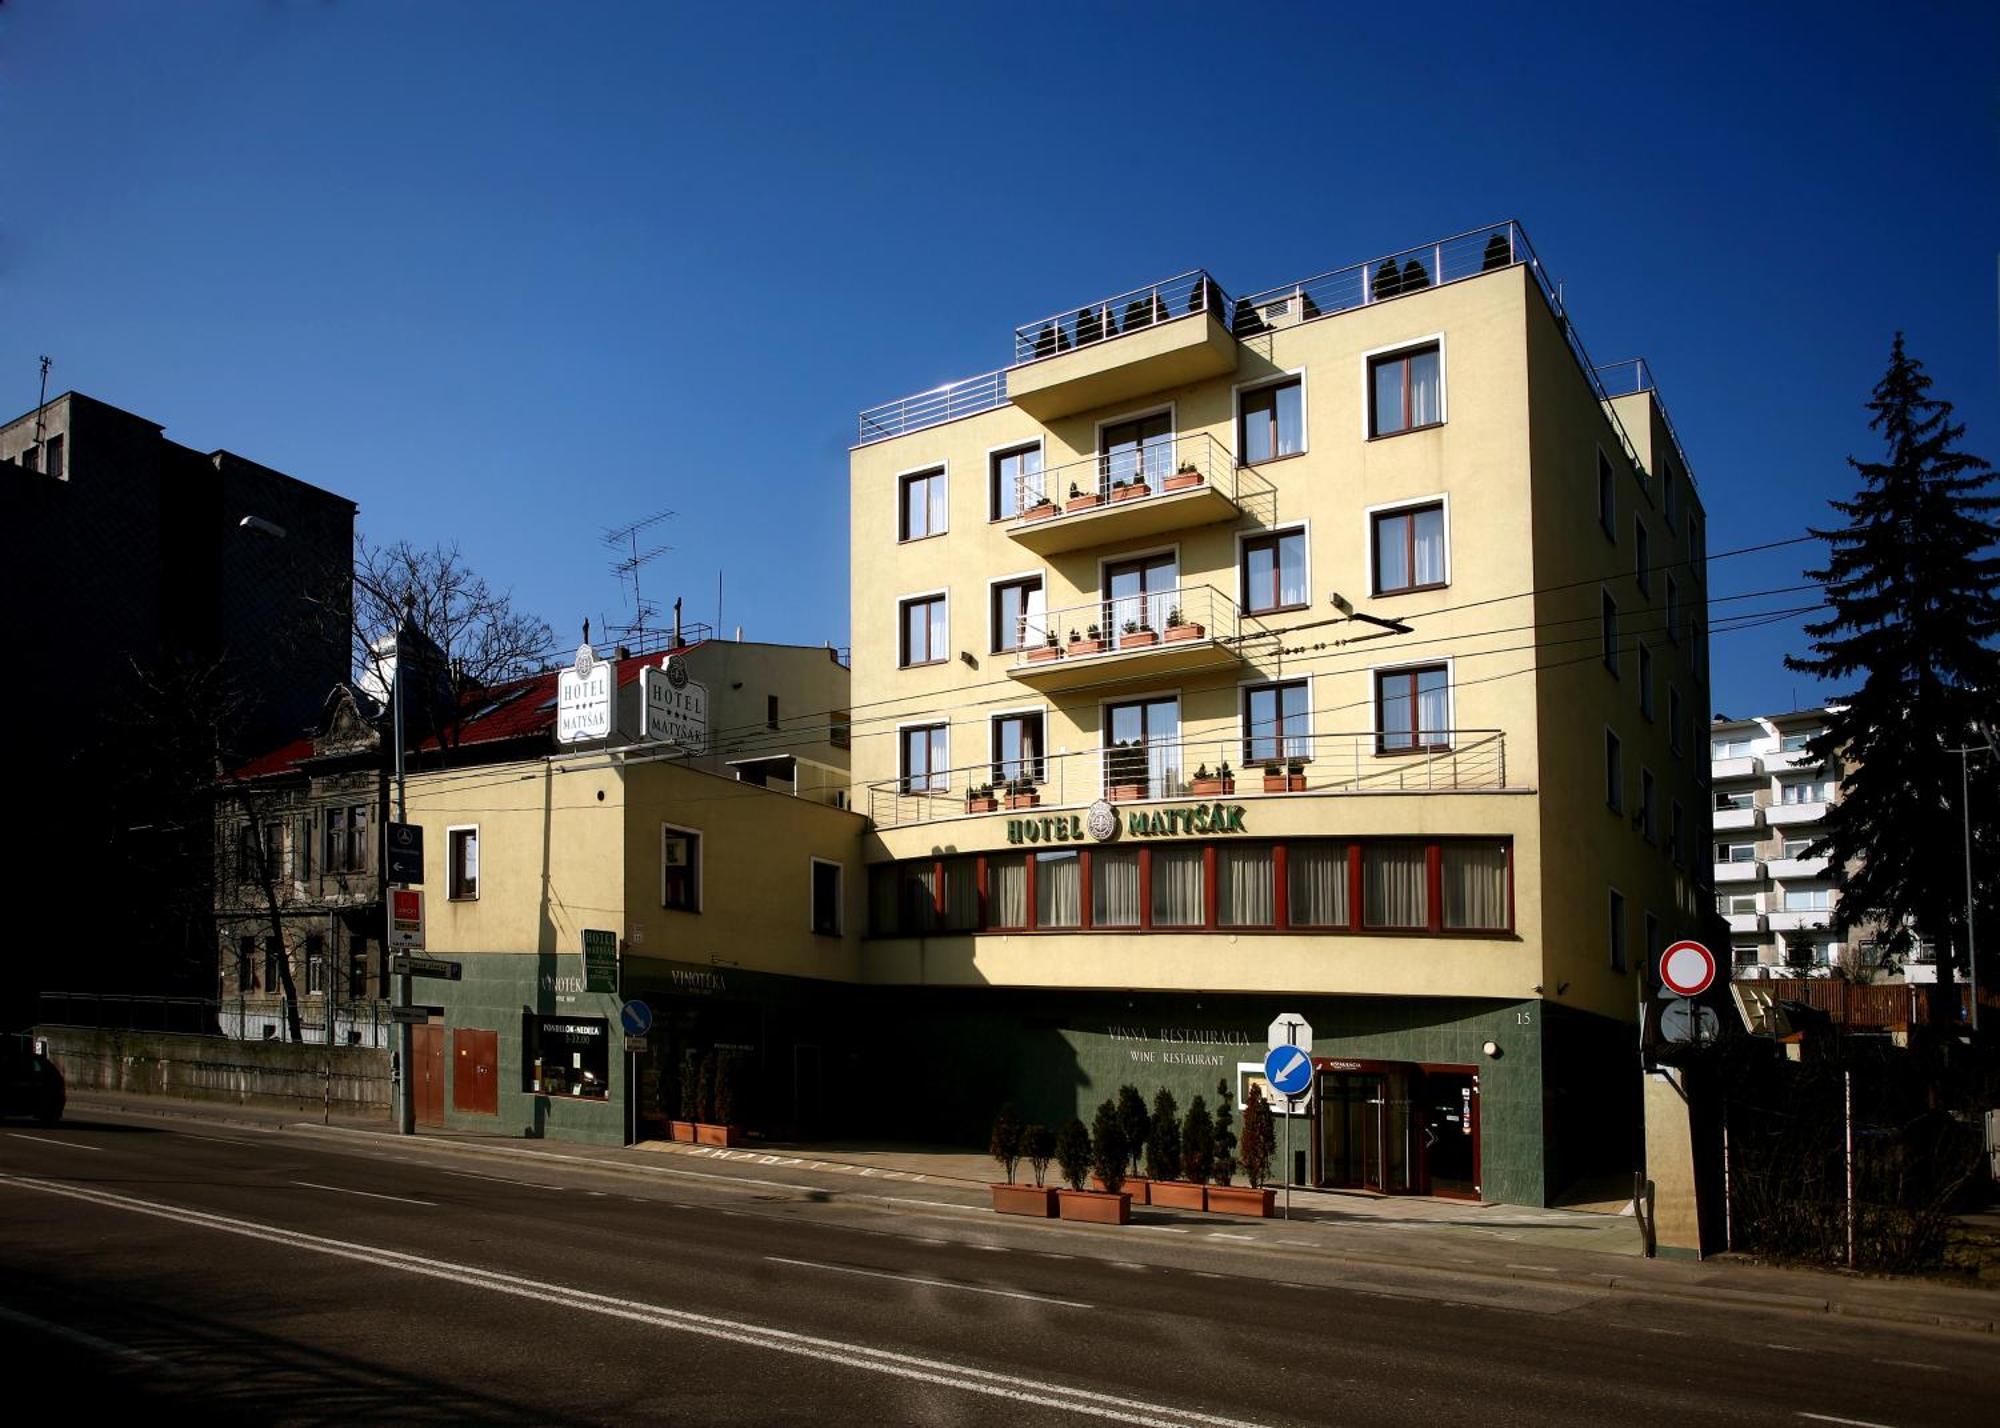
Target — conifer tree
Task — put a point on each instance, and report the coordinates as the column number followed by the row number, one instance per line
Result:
column 1911, row 579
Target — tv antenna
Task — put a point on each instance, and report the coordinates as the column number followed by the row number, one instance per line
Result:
column 633, row 547
column 41, row 406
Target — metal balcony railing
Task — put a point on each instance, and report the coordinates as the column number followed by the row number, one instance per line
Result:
column 1109, row 478
column 1180, row 296
column 1629, row 378
column 1116, row 624
column 940, row 404
column 1467, row 760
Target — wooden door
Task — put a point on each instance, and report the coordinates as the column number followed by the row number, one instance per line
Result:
column 427, row 1073
column 475, row 1071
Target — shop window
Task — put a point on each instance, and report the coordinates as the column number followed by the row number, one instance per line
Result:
column 961, row 895
column 680, row 868
column 567, row 1056
column 1474, row 882
column 1405, row 391
column 462, row 864
column 1114, row 887
column 1316, row 884
column 1245, row 886
column 1395, row 880
column 826, row 899
column 1178, row 888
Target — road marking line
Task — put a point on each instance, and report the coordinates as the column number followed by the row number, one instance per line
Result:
column 1544, row 1268
column 934, row 1204
column 1126, row 1264
column 866, row 1357
column 1912, row 1363
column 1226, row 1235
column 927, row 1280
column 1671, row 1333
column 1302, row 1244
column 1786, row 1348
column 1052, row 1254
column 502, row 1179
column 218, row 1139
column 69, row 1144
column 1829, row 1418
column 371, row 1194
column 1164, row 1229
column 79, row 1337
column 1205, row 1274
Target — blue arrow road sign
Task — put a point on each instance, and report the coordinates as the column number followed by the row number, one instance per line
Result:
column 636, row 1017
column 1289, row 1070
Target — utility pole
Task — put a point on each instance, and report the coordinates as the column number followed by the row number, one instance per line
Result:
column 1985, row 746
column 406, row 1107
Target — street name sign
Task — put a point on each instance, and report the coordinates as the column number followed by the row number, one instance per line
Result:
column 404, row 965
column 406, row 852
column 1687, row 969
column 406, row 917
column 413, row 1016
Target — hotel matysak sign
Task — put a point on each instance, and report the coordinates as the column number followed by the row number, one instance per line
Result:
column 1100, row 823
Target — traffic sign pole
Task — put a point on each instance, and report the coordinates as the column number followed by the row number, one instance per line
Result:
column 406, row 1106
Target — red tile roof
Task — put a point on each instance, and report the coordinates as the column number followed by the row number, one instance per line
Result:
column 279, row 760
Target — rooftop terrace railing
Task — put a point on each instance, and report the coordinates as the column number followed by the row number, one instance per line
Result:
column 940, row 404
column 1182, row 295
column 1629, row 378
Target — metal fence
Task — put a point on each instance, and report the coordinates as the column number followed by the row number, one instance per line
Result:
column 362, row 1022
column 1183, row 295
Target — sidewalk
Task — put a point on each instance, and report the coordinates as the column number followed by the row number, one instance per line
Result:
column 1521, row 1244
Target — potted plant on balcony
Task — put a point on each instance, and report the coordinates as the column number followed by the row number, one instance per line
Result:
column 1138, row 635
column 1498, row 254
column 1126, row 771
column 1039, row 654
column 981, row 799
column 1008, row 1142
column 1210, row 785
column 1045, row 340
column 1089, row 643
column 1284, row 778
column 1138, row 314
column 1387, row 282
column 1225, row 1198
column 1089, row 326
column 1042, row 508
column 1103, row 1155
column 1022, row 793
column 1179, row 629
column 1188, row 475
column 1080, row 499
column 1129, row 488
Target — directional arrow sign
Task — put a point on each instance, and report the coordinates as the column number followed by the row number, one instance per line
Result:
column 404, row 965
column 414, row 1016
column 1289, row 1069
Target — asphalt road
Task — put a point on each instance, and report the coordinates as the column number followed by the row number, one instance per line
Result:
column 292, row 1277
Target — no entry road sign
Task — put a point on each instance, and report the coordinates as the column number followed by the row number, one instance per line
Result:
column 1687, row 969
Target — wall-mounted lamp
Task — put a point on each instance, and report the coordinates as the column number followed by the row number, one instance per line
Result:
column 262, row 527
column 1492, row 1049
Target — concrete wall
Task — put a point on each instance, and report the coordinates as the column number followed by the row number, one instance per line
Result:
column 213, row 1068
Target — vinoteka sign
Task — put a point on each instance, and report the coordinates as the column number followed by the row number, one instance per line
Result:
column 1202, row 818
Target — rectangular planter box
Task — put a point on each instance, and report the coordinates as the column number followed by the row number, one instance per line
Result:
column 1039, row 653
column 1080, row 503
column 1130, row 493
column 1179, row 1195
column 1095, row 1207
column 1214, row 787
column 1181, row 480
column 1039, row 513
column 1023, row 800
column 981, row 805
column 1177, row 633
column 1136, row 1187
column 1126, row 792
column 1241, row 1200
column 1284, row 783
column 1086, row 647
column 706, row 1134
column 1138, row 639
column 682, row 1131
column 1032, row 1200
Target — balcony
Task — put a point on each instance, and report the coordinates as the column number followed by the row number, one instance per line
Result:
column 1170, row 484
column 1729, row 820
column 1739, row 872
column 1164, row 632
column 1789, row 760
column 1744, row 921
column 1742, row 767
column 1166, row 334
column 1334, row 764
column 1798, row 867
column 1786, row 815
column 1801, row 919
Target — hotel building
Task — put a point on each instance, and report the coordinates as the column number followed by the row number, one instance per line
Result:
column 1336, row 649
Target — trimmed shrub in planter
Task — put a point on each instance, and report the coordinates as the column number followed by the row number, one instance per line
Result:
column 1259, row 1144
column 1038, row 1143
column 1008, row 1142
column 1499, row 253
column 1415, row 276
column 1109, row 1206
column 1388, row 281
column 1163, row 1138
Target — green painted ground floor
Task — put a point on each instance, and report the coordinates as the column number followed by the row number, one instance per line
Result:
column 1506, row 1101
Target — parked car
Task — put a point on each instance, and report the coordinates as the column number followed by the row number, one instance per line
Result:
column 30, row 1083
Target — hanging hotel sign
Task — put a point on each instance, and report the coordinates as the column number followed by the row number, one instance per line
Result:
column 1101, row 823
column 583, row 698
column 675, row 706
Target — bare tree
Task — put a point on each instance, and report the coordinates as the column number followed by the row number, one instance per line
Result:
column 469, row 628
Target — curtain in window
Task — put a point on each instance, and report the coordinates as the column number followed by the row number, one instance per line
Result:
column 1291, row 420
column 1392, row 885
column 1058, row 890
column 1244, row 881
column 1433, row 709
column 1177, row 887
column 1007, row 890
column 1114, row 887
column 934, row 493
column 919, row 897
column 1475, row 884
column 1428, row 540
column 882, row 904
column 1426, row 388
column 961, row 895
column 1392, row 555
column 1316, row 884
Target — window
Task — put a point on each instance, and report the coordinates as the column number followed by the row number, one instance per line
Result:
column 1617, row 931
column 302, row 846
column 249, row 857
column 1114, row 887
column 1139, row 595
column 316, row 965
column 1409, row 549
column 925, row 637
column 1807, row 790
column 246, row 964
column 1395, row 885
column 1274, row 573
column 1271, row 422
column 1735, row 852
column 921, row 506
column 770, row 711
column 826, row 901
column 1614, row 773
column 1674, row 719
column 1178, row 887
column 923, row 757
column 1473, row 879
column 1645, row 679
column 357, row 968
column 1014, row 481
column 1737, row 904
column 347, row 839
column 1745, row 953
column 1648, row 822
column 1796, row 847
column 1007, row 890
column 1730, row 802
column 1277, row 722
column 840, row 729
column 1734, row 747
column 1142, row 754
column 1245, row 886
column 1677, row 834
column 1058, row 889
column 1808, row 899
column 959, row 895
column 1019, row 614
column 1413, row 710
column 1141, row 450
column 567, row 1056
column 1643, row 560
column 1673, row 610
column 1316, row 884
column 1017, row 747
column 1405, row 391
column 1607, row 498
column 680, row 868
column 1796, row 743
column 274, row 964
column 53, row 466
column 462, row 864
column 1670, row 493
column 1609, row 634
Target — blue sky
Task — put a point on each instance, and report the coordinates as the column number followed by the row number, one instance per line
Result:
column 510, row 274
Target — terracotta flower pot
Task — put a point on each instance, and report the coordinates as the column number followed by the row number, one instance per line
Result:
column 706, row 1134
column 1039, row 513
column 1241, row 1200
column 1138, row 639
column 1176, row 633
column 1023, row 800
column 1037, row 654
column 1032, row 1200
column 1126, row 792
column 1095, row 1207
column 1086, row 647
column 1181, row 480
column 1081, row 503
column 1136, row 1186
column 981, row 805
column 1179, row 1195
column 682, row 1131
column 1130, row 493
column 1284, row 783
column 1214, row 787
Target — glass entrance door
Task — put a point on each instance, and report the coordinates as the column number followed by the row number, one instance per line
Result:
column 1450, row 1119
column 1364, row 1122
